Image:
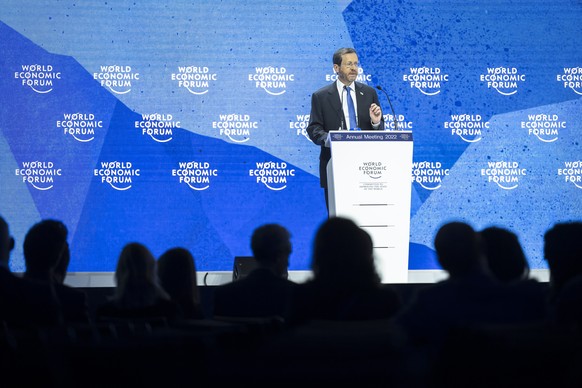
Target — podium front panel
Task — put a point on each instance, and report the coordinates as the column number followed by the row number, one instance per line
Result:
column 370, row 182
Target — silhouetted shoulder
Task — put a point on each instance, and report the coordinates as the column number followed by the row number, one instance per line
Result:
column 259, row 294
column 73, row 303
column 26, row 302
column 160, row 309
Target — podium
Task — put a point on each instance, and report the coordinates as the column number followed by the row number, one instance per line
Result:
column 369, row 181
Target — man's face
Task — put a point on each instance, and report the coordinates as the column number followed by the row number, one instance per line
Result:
column 348, row 71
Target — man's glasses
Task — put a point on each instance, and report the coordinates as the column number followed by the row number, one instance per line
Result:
column 351, row 64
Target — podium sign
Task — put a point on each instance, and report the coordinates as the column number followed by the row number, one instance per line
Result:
column 369, row 181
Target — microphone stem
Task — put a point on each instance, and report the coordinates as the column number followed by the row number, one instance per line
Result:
column 391, row 108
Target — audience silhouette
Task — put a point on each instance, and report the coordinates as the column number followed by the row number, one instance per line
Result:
column 345, row 283
column 566, row 309
column 563, row 253
column 507, row 262
column 177, row 276
column 45, row 249
column 62, row 267
column 470, row 295
column 485, row 314
column 137, row 292
column 23, row 302
column 264, row 292
column 504, row 254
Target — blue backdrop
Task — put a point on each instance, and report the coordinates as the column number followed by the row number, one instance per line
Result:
column 183, row 124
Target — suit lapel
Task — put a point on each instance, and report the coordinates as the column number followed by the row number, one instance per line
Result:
column 360, row 98
column 334, row 97
column 336, row 104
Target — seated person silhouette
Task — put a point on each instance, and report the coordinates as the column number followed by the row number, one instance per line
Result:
column 470, row 295
column 137, row 292
column 563, row 252
column 507, row 262
column 23, row 303
column 177, row 275
column 265, row 291
column 45, row 249
column 345, row 284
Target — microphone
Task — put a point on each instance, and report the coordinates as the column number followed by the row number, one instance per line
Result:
column 391, row 108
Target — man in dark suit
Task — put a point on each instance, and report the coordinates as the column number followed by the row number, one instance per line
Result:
column 23, row 303
column 266, row 291
column 45, row 246
column 330, row 108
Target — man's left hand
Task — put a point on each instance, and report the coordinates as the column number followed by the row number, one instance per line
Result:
column 375, row 114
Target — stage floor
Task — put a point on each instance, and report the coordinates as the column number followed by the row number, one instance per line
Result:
column 106, row 279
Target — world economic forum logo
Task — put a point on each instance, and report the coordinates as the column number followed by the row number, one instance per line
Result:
column 505, row 80
column 118, row 79
column 571, row 78
column 545, row 127
column 196, row 175
column 40, row 78
column 274, row 175
column 429, row 175
column 428, row 80
column 80, row 126
column 39, row 174
column 572, row 172
column 362, row 76
column 236, row 127
column 373, row 170
column 505, row 174
column 273, row 80
column 159, row 127
column 119, row 175
column 300, row 125
column 468, row 127
column 195, row 79
column 397, row 122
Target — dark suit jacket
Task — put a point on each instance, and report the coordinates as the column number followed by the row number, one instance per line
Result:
column 260, row 294
column 471, row 299
column 25, row 302
column 313, row 300
column 160, row 309
column 73, row 303
column 327, row 115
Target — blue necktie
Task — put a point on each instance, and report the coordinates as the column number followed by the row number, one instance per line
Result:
column 351, row 110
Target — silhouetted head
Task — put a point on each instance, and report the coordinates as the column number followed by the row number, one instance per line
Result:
column 458, row 248
column 271, row 246
column 44, row 245
column 60, row 270
column 343, row 255
column 563, row 252
column 504, row 254
column 135, row 276
column 6, row 243
column 136, row 264
column 177, row 274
